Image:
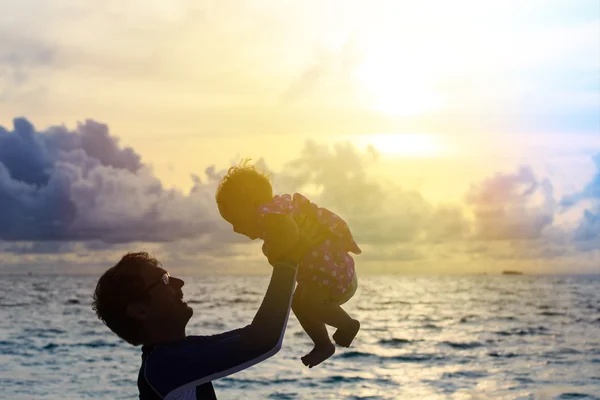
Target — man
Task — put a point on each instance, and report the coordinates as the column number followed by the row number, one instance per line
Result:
column 140, row 302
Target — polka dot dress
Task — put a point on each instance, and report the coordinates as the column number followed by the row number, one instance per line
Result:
column 328, row 264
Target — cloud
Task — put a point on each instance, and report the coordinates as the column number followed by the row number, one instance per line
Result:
column 329, row 75
column 47, row 247
column 512, row 206
column 587, row 233
column 21, row 59
column 509, row 216
column 79, row 197
column 63, row 185
column 379, row 213
column 591, row 191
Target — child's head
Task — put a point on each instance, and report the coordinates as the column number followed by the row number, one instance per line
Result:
column 239, row 194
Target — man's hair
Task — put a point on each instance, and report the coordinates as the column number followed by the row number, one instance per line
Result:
column 118, row 287
column 245, row 179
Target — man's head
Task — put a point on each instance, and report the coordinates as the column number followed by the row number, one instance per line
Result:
column 140, row 302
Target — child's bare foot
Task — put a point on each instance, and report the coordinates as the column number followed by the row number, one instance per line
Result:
column 318, row 354
column 344, row 336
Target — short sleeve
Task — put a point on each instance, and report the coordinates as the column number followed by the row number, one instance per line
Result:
column 279, row 205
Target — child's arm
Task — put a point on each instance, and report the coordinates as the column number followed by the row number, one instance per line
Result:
column 281, row 235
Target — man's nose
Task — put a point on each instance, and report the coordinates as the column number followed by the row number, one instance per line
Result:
column 177, row 282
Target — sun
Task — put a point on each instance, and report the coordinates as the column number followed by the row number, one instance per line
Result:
column 395, row 89
column 395, row 85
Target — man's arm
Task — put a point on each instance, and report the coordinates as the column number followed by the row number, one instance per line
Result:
column 268, row 325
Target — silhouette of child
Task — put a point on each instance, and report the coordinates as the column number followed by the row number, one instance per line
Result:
column 326, row 277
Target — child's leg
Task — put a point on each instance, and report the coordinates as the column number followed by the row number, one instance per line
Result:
column 334, row 315
column 345, row 335
column 314, row 327
column 331, row 312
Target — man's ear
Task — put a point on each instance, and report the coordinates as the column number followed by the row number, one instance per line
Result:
column 137, row 311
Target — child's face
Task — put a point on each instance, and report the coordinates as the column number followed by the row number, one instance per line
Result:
column 242, row 216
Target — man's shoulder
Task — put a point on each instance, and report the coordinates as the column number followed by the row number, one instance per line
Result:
column 168, row 366
column 164, row 369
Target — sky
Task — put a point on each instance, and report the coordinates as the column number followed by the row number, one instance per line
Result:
column 453, row 137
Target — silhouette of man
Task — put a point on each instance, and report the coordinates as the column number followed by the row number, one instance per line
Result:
column 140, row 302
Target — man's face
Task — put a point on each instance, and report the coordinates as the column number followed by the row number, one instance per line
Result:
column 164, row 303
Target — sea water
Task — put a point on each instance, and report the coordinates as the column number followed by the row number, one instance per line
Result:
column 434, row 337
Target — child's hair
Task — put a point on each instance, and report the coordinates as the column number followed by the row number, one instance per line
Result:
column 245, row 180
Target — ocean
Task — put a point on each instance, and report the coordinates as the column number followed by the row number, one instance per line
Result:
column 442, row 337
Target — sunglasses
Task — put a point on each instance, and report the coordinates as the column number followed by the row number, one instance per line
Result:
column 164, row 279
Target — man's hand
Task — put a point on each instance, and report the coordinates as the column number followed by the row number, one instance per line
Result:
column 310, row 235
column 310, row 231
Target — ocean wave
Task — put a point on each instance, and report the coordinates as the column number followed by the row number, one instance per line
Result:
column 284, row 380
column 50, row 346
column 552, row 314
column 283, row 396
column 93, row 345
column 393, row 342
column 335, row 379
column 431, row 326
column 415, row 358
column 251, row 292
column 540, row 330
column 43, row 332
column 464, row 374
column 502, row 355
column 467, row 318
column 239, row 300
column 392, row 302
column 355, row 354
column 572, row 395
column 3, row 305
column 462, row 345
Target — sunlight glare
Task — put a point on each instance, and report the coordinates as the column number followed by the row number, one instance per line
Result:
column 406, row 145
column 395, row 88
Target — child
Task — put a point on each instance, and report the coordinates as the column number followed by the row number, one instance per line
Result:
column 326, row 277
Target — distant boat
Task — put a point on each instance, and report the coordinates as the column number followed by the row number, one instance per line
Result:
column 512, row 273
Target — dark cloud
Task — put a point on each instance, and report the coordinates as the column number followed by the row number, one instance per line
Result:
column 77, row 185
